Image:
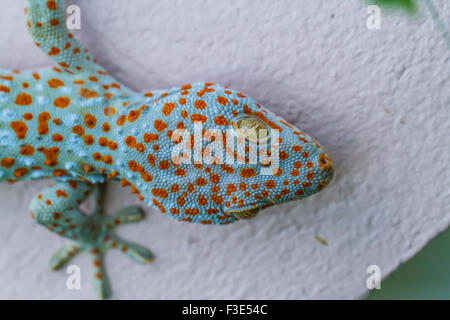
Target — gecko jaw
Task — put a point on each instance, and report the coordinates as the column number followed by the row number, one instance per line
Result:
column 247, row 213
column 251, row 210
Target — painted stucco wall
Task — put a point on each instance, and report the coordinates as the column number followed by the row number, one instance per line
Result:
column 378, row 100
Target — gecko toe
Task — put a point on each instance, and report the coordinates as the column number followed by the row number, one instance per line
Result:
column 63, row 255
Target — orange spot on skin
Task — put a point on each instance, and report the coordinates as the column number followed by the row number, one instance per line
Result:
column 27, row 116
column 130, row 141
column 7, row 162
column 192, row 211
column 270, row 184
column 150, row 137
column 87, row 168
column 310, row 175
column 140, row 147
column 54, row 51
column 55, row 83
column 247, row 172
column 57, row 137
column 284, row 155
column 20, row 129
column 223, row 101
column 5, row 89
column 168, row 108
column 151, row 159
column 164, row 165
column 7, row 78
column 61, row 194
column 159, row 205
column 88, row 139
column 79, row 130
column 64, row 65
column 227, row 168
column 20, row 172
column 97, row 156
column 247, row 110
column 133, row 115
column 198, row 118
column 217, row 199
column 27, row 150
column 221, row 121
column 215, row 178
column 160, row 193
column 135, row 167
column 180, row 172
column 61, row 102
column 86, row 93
column 90, row 121
column 106, row 127
column 23, row 99
column 201, row 182
column 108, row 160
column 231, row 188
column 51, row 156
column 160, row 125
column 43, row 119
column 202, row 200
column 297, row 148
column 121, row 120
column 200, row 104
column 51, row 5
column 109, row 111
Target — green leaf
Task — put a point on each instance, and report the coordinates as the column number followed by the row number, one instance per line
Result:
column 409, row 6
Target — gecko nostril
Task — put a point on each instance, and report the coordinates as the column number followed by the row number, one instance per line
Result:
column 324, row 162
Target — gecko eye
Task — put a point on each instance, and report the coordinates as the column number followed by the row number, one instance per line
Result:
column 253, row 128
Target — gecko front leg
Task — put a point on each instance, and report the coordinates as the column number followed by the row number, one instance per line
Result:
column 57, row 208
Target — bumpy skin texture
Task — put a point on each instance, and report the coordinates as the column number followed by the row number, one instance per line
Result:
column 76, row 123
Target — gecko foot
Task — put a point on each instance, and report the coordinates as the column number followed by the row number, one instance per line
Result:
column 96, row 238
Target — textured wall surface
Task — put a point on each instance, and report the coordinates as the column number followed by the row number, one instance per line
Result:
column 378, row 100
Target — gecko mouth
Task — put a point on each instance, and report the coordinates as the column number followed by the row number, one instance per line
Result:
column 245, row 214
column 250, row 211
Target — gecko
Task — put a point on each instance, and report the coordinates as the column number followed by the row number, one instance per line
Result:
column 74, row 123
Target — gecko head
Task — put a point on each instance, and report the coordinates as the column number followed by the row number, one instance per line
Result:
column 205, row 153
column 296, row 165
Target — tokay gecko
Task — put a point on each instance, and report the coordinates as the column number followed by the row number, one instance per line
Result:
column 75, row 123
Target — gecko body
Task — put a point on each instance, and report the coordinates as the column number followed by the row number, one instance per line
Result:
column 75, row 123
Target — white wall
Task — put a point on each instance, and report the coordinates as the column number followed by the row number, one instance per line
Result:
column 313, row 62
